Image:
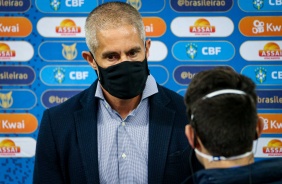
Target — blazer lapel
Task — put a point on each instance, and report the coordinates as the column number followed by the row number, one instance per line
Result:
column 86, row 126
column 160, row 126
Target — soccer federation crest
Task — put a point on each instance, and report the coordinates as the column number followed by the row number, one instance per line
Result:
column 191, row 50
column 59, row 75
column 260, row 75
column 55, row 4
column 258, row 4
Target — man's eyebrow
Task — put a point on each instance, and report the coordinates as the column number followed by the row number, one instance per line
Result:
column 136, row 49
column 109, row 53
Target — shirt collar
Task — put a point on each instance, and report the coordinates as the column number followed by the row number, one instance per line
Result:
column 150, row 89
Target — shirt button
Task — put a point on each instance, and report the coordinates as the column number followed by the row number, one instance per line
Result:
column 123, row 155
column 123, row 123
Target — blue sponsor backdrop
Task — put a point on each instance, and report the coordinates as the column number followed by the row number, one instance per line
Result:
column 57, row 71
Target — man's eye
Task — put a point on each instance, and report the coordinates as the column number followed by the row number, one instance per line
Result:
column 112, row 57
column 132, row 53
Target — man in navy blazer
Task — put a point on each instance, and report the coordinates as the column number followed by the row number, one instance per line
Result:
column 125, row 128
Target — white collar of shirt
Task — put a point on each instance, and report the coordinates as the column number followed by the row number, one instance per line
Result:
column 150, row 89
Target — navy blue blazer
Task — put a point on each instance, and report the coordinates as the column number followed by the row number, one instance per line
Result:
column 67, row 150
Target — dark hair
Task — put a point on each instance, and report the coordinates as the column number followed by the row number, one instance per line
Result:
column 225, row 124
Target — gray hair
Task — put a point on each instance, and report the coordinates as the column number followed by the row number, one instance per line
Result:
column 109, row 16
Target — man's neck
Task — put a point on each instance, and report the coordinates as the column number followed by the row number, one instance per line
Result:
column 122, row 106
column 228, row 163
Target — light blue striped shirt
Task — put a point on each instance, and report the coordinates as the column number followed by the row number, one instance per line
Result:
column 123, row 143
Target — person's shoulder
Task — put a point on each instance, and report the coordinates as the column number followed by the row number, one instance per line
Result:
column 170, row 93
column 73, row 103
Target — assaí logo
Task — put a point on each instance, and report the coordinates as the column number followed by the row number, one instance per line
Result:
column 260, row 74
column 273, row 148
column 8, row 147
column 271, row 50
column 6, row 52
column 202, row 27
column 68, row 27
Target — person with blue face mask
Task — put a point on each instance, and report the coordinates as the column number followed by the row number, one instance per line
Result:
column 221, row 107
column 125, row 128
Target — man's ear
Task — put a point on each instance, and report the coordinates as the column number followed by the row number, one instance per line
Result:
column 189, row 132
column 259, row 127
column 88, row 57
column 148, row 45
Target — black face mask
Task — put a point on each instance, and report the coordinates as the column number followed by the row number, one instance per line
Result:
column 124, row 80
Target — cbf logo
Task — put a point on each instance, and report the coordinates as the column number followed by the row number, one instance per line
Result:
column 260, row 75
column 191, row 50
column 59, row 74
column 55, row 4
column 135, row 3
column 6, row 100
column 258, row 4
column 69, row 51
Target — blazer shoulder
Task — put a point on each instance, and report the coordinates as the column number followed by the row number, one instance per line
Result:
column 171, row 95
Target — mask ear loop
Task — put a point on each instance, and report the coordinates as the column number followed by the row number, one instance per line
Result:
column 97, row 71
column 193, row 123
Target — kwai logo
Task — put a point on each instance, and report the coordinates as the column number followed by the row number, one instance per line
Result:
column 15, row 27
column 272, row 123
column 261, row 26
column 154, row 26
column 17, row 123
